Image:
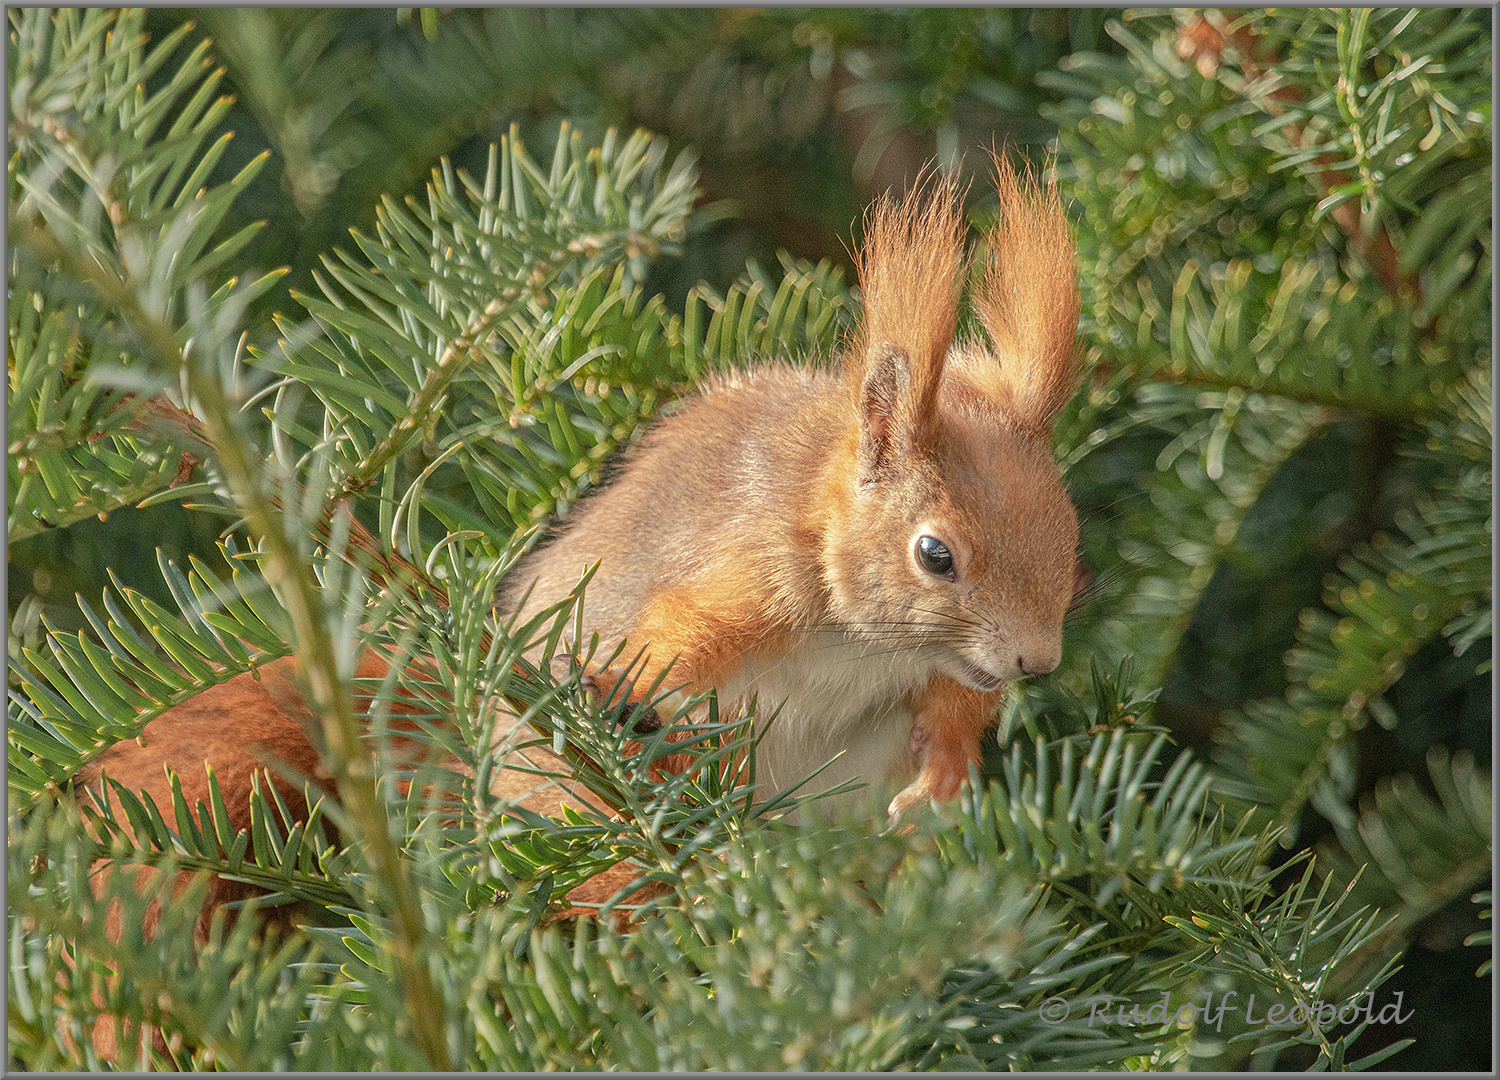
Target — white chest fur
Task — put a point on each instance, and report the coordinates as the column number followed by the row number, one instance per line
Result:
column 840, row 697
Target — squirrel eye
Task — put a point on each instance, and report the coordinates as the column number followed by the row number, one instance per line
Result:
column 935, row 557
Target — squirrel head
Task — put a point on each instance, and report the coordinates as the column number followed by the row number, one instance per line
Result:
column 953, row 533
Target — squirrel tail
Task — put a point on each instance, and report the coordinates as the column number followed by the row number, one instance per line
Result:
column 1029, row 300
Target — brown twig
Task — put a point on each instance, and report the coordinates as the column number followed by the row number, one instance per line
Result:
column 1205, row 42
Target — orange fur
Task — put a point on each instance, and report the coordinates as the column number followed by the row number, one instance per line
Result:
column 703, row 633
column 263, row 733
column 257, row 724
column 252, row 725
column 266, row 732
column 695, row 640
column 776, row 515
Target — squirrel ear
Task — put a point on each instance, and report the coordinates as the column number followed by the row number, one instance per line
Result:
column 884, row 420
column 1029, row 300
column 911, row 267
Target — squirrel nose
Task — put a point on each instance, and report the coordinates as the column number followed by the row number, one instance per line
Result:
column 1039, row 662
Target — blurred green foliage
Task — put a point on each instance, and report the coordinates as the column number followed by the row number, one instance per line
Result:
column 1281, row 454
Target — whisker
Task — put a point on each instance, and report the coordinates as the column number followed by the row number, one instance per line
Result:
column 877, row 638
column 944, row 615
column 900, row 642
column 1095, row 512
column 1101, row 585
column 914, row 640
column 949, row 617
column 839, row 628
column 877, row 654
column 977, row 623
column 983, row 623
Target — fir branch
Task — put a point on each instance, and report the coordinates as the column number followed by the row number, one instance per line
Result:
column 287, row 571
column 84, row 698
column 1393, row 596
column 1203, row 41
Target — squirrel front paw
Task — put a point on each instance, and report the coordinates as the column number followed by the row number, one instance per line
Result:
column 634, row 716
column 939, row 781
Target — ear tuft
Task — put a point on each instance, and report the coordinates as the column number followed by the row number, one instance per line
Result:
column 911, row 269
column 1029, row 300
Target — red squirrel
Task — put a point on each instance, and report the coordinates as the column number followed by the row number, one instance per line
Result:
column 877, row 551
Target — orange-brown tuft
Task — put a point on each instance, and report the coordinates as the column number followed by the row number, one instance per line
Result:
column 911, row 270
column 1029, row 302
